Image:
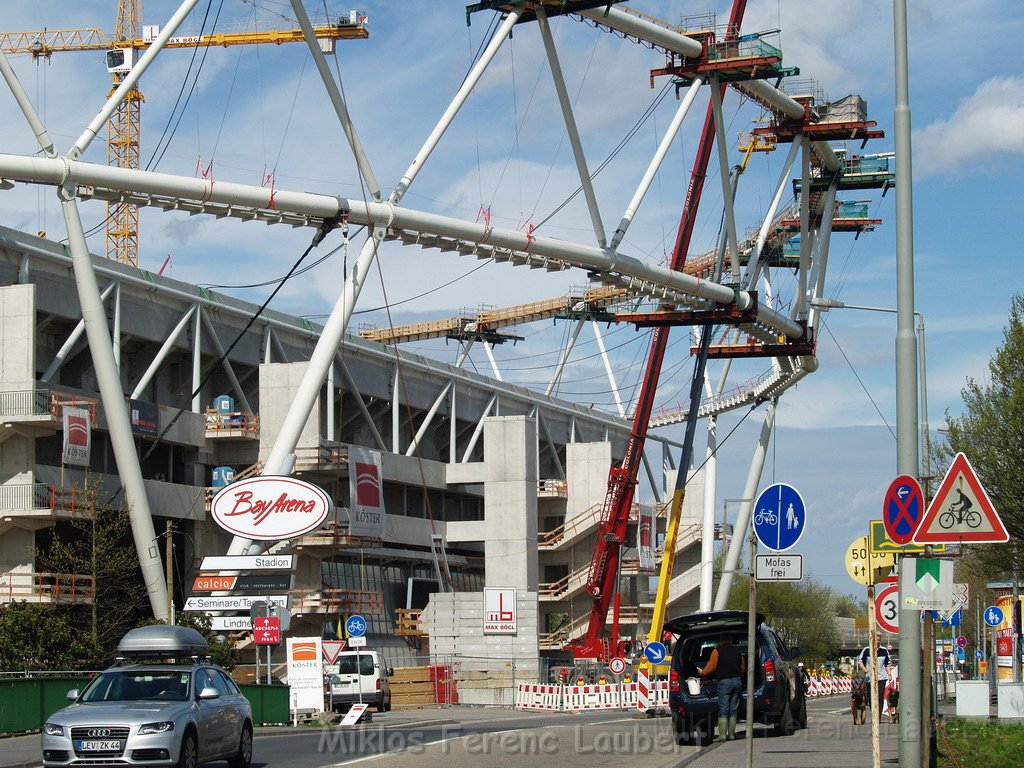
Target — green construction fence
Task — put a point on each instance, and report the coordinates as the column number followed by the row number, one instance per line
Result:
column 26, row 702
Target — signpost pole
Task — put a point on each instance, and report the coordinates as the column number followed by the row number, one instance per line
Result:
column 876, row 757
column 926, row 686
column 752, row 655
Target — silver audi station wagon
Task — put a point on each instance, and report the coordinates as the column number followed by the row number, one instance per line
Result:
column 162, row 704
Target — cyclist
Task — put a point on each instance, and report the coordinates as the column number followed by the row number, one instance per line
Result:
column 962, row 504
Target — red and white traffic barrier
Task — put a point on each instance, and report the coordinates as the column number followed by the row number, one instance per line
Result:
column 542, row 697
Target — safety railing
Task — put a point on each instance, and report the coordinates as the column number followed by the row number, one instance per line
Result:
column 234, row 424
column 552, row 489
column 744, row 48
column 25, row 402
column 46, row 587
column 330, row 600
column 322, row 457
column 40, row 496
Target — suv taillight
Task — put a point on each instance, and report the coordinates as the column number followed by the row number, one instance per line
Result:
column 378, row 683
column 769, row 671
column 673, row 681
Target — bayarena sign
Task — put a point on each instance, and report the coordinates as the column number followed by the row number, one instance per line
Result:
column 270, row 508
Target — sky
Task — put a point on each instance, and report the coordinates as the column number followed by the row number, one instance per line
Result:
column 258, row 111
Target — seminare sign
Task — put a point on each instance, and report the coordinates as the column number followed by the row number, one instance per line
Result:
column 270, row 508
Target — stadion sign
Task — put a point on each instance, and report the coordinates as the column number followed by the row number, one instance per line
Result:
column 270, row 508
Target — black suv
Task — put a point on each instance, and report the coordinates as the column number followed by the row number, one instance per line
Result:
column 779, row 692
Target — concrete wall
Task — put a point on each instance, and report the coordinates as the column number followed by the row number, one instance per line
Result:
column 17, row 336
column 586, row 469
column 278, row 384
column 489, row 665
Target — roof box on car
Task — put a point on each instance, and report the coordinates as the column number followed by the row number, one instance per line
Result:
column 160, row 640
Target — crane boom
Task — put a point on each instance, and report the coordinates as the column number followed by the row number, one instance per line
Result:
column 124, row 128
column 611, row 534
column 44, row 43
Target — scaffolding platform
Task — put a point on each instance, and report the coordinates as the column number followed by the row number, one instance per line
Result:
column 731, row 61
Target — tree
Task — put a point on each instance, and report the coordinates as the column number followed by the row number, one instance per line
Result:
column 803, row 613
column 98, row 543
column 222, row 652
column 990, row 432
column 40, row 637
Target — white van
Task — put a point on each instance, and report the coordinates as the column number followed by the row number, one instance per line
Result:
column 361, row 676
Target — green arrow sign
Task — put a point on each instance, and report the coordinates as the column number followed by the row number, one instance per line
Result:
column 928, row 574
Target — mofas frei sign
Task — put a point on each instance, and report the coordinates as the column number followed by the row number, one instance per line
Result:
column 778, row 567
column 270, row 508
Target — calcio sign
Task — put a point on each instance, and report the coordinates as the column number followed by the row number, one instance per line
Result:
column 270, row 508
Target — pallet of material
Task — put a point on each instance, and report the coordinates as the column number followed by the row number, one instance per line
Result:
column 412, row 700
column 408, row 689
column 410, row 675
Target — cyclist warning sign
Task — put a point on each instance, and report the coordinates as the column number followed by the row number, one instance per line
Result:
column 961, row 510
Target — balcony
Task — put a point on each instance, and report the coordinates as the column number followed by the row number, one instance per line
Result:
column 36, row 505
column 37, row 412
column 47, row 588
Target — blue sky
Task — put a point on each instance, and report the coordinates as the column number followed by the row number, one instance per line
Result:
column 257, row 110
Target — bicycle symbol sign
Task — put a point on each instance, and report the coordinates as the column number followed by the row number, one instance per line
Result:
column 779, row 517
column 356, row 626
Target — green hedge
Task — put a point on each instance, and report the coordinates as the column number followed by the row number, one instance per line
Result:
column 26, row 702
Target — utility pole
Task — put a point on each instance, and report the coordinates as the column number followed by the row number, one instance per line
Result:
column 169, row 560
column 906, row 384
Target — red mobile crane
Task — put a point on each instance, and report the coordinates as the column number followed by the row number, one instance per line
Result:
column 611, row 532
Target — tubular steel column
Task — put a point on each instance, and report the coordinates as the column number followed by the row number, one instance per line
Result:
column 742, row 524
column 570, row 125
column 707, row 542
column 112, row 397
column 727, row 189
column 906, row 383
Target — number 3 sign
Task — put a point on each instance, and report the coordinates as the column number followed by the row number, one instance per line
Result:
column 887, row 608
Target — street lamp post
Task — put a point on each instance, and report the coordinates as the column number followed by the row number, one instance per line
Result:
column 825, row 305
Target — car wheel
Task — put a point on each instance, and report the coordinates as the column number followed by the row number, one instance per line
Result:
column 683, row 728
column 188, row 754
column 243, row 757
column 785, row 725
column 801, row 712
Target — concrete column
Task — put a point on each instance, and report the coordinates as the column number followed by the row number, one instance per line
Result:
column 510, row 502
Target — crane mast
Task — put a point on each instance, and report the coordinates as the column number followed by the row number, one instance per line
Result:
column 622, row 479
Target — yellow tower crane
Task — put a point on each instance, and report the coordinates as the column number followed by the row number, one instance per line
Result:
column 123, row 50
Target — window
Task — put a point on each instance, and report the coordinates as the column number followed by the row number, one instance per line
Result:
column 347, row 664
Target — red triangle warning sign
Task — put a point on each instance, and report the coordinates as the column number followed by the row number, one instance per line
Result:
column 961, row 510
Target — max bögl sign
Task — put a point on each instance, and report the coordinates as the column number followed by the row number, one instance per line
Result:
column 270, row 508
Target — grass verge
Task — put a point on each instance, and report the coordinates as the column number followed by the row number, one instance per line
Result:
column 980, row 743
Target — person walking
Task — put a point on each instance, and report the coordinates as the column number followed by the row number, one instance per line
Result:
column 726, row 665
column 881, row 675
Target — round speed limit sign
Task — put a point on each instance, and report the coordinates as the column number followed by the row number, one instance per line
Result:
column 887, row 608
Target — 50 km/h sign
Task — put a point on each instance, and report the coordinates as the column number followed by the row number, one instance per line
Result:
column 866, row 567
column 779, row 517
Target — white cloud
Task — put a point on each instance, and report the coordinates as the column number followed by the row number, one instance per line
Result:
column 986, row 131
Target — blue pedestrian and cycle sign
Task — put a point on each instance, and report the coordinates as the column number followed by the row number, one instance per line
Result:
column 655, row 652
column 355, row 626
column 779, row 517
column 993, row 616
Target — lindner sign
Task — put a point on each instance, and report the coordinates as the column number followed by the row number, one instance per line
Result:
column 270, row 508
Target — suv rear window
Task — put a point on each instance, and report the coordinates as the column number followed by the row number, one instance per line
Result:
column 692, row 653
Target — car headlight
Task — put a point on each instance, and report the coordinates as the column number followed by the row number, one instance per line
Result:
column 52, row 729
column 165, row 727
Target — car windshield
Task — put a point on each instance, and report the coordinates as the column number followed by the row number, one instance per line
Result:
column 347, row 664
column 138, row 685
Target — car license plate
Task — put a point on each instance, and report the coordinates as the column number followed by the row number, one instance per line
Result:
column 98, row 746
